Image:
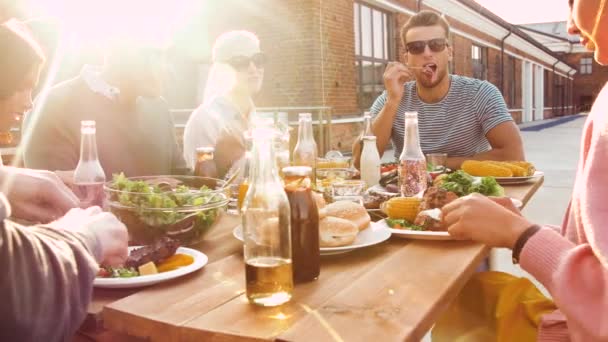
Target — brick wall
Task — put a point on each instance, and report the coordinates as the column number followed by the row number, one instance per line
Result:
column 587, row 85
column 311, row 48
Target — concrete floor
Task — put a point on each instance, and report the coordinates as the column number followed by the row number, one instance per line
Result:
column 555, row 151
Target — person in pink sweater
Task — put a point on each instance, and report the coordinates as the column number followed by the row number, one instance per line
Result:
column 571, row 264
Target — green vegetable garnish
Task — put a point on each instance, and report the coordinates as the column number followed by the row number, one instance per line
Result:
column 462, row 184
column 402, row 224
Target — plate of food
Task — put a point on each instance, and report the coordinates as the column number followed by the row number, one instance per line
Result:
column 148, row 265
column 420, row 218
column 343, row 227
column 512, row 172
column 403, row 228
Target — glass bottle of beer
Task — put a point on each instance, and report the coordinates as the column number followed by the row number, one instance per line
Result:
column 266, row 228
column 412, row 164
column 205, row 165
column 89, row 176
column 305, row 151
column 304, row 224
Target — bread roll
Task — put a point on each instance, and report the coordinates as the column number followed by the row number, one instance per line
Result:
column 336, row 232
column 350, row 211
column 320, row 200
column 322, row 213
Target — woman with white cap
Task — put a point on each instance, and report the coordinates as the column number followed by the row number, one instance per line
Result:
column 221, row 120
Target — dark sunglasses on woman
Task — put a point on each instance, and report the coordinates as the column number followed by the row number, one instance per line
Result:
column 417, row 47
column 241, row 63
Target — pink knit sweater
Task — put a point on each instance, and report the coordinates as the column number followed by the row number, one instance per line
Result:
column 573, row 266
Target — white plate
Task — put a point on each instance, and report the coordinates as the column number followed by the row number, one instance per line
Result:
column 372, row 235
column 518, row 180
column 200, row 260
column 416, row 234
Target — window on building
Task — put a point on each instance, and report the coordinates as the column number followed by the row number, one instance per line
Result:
column 479, row 57
column 586, row 65
column 372, row 51
column 512, row 85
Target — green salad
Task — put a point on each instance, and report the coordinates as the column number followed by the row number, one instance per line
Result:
column 462, row 184
column 402, row 224
column 151, row 211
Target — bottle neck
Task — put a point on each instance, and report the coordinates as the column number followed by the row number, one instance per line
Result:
column 263, row 167
column 88, row 146
column 411, row 140
column 305, row 131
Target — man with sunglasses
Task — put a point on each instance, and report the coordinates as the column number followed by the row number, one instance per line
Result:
column 135, row 130
column 463, row 117
column 222, row 119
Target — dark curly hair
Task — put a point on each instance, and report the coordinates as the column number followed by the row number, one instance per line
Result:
column 20, row 52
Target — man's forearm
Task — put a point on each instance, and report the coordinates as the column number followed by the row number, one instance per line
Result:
column 499, row 154
column 49, row 283
column 382, row 127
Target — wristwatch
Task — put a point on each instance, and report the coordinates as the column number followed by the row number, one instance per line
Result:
column 521, row 241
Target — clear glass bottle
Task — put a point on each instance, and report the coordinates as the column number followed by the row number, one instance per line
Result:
column 89, row 176
column 305, row 151
column 306, row 254
column 412, row 164
column 266, row 228
column 370, row 162
column 205, row 165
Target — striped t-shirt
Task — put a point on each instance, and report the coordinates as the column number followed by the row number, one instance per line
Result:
column 456, row 125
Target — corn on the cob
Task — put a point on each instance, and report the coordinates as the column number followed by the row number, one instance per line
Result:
column 517, row 170
column 483, row 169
column 529, row 167
column 403, row 208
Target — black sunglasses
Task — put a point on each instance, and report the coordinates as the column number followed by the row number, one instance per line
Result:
column 241, row 63
column 417, row 47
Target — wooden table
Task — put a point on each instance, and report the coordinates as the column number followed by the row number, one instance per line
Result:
column 390, row 292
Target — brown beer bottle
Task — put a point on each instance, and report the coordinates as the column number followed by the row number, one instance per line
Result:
column 304, row 223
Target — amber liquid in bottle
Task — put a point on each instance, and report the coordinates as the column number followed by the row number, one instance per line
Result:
column 269, row 280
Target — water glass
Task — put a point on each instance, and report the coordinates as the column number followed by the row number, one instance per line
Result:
column 348, row 190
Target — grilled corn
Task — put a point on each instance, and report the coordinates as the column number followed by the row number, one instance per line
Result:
column 406, row 208
column 529, row 167
column 484, row 168
column 517, row 170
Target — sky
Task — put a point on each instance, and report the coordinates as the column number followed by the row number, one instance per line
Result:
column 528, row 11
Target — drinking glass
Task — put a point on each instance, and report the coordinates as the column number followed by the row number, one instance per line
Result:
column 348, row 190
column 437, row 161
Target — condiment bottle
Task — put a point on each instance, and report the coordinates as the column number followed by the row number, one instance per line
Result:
column 205, row 165
column 412, row 164
column 89, row 176
column 305, row 151
column 304, row 224
column 370, row 162
column 266, row 228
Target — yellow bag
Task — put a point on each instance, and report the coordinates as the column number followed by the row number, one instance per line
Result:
column 493, row 306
